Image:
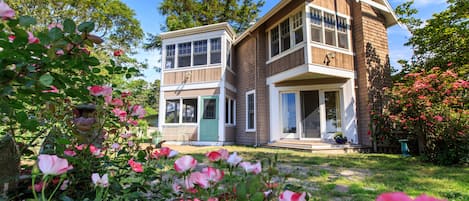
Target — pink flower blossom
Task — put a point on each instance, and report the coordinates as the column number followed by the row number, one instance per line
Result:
column 138, row 111
column 292, row 196
column 38, row 187
column 234, row 159
column 212, row 199
column 126, row 135
column 52, row 90
column 79, row 147
column 132, row 122
column 11, row 38
column 96, row 151
column 59, row 52
column 185, row 163
column 69, row 152
column 213, row 156
column 108, row 99
column 438, row 118
column 396, row 196
column 97, row 90
column 52, row 165
column 213, row 174
column 251, row 168
column 32, row 39
column 120, row 113
column 55, row 25
column 118, row 53
column 100, row 181
column 224, row 153
column 115, row 146
column 117, row 102
column 130, row 143
column 64, row 185
column 5, row 11
column 136, row 166
column 200, row 179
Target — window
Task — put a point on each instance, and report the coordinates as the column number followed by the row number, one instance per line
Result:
column 210, row 108
column 189, row 111
column 287, row 34
column 285, row 31
column 250, row 111
column 342, row 33
column 333, row 113
column 215, row 51
column 170, row 53
column 172, row 111
column 230, row 111
column 329, row 31
column 274, row 50
column 200, row 52
column 184, row 54
column 298, row 27
column 329, row 28
column 228, row 54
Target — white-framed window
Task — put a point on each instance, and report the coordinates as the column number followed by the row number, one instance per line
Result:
column 170, row 56
column 215, row 50
column 329, row 28
column 184, row 54
column 251, row 111
column 230, row 111
column 200, row 52
column 286, row 34
column 175, row 115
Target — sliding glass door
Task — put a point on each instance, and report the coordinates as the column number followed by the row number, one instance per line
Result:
column 310, row 114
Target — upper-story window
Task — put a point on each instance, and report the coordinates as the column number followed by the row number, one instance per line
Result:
column 329, row 28
column 215, row 50
column 170, row 53
column 184, row 54
column 287, row 34
column 200, row 52
column 195, row 53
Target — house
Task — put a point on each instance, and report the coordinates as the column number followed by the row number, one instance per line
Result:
column 304, row 71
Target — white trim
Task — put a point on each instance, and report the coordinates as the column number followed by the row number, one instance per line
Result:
column 376, row 5
column 203, row 85
column 327, row 70
column 201, row 67
column 331, row 48
column 181, row 106
column 231, row 87
column 274, row 100
column 229, row 124
column 253, row 92
column 348, row 17
column 287, row 74
column 199, row 115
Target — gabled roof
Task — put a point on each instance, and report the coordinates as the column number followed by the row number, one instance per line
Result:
column 200, row 29
column 382, row 5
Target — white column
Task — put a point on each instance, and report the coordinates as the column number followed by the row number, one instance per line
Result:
column 348, row 109
column 274, row 114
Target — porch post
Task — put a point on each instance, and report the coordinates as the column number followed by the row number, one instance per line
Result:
column 274, row 115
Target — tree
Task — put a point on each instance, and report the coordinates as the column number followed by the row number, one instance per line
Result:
column 442, row 41
column 192, row 13
column 114, row 20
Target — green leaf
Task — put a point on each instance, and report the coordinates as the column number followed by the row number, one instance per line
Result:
column 46, row 80
column 31, row 124
column 63, row 141
column 257, row 197
column 27, row 21
column 96, row 70
column 241, row 191
column 21, row 117
column 55, row 34
column 93, row 61
column 86, row 27
column 69, row 26
column 128, row 76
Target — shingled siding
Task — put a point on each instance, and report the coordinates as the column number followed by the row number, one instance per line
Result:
column 341, row 60
column 368, row 29
column 180, row 133
column 341, row 6
column 244, row 59
column 287, row 62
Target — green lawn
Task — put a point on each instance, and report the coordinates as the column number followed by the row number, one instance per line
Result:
column 359, row 176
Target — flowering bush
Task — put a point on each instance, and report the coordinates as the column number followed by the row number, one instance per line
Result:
column 430, row 107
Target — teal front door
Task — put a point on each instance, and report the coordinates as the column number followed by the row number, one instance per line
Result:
column 209, row 119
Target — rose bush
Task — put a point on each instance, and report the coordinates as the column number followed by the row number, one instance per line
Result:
column 431, row 108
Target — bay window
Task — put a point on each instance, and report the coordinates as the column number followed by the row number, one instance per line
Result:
column 184, row 54
column 215, row 50
column 170, row 53
column 286, row 35
column 200, row 52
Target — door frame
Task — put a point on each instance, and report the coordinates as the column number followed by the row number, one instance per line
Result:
column 297, row 135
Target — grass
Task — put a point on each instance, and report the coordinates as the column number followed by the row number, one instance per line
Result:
column 364, row 175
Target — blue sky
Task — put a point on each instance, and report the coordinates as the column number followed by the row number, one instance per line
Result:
column 151, row 21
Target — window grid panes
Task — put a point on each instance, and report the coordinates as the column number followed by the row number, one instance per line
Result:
column 184, row 54
column 172, row 111
column 232, row 111
column 250, row 111
column 333, row 113
column 210, row 109
column 200, row 52
column 285, row 34
column 274, row 45
column 215, row 50
column 298, row 27
column 228, row 54
column 170, row 53
column 189, row 111
column 333, row 28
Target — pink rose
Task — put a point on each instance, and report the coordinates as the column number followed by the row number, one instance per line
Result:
column 138, row 111
column 11, row 38
column 438, row 118
column 136, row 166
column 118, row 53
column 393, row 197
column 69, row 152
column 100, row 90
column 32, row 39
column 120, row 113
column 5, row 11
column 200, row 179
column 117, row 102
column 234, row 159
column 185, row 163
column 292, row 196
column 55, row 25
column 224, row 153
column 213, row 174
column 213, row 156
column 64, row 185
column 52, row 165
column 100, row 181
column 251, row 168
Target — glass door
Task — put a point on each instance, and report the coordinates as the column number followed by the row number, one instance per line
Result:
column 310, row 114
column 288, row 115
